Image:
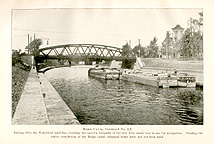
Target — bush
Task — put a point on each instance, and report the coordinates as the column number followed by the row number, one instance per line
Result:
column 16, row 58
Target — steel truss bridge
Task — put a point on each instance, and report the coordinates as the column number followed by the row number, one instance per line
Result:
column 83, row 52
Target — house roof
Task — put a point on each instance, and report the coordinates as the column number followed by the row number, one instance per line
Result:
column 178, row 27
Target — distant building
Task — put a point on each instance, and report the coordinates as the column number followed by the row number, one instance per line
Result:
column 176, row 35
column 177, row 32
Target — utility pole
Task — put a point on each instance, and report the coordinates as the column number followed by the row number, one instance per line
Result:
column 130, row 43
column 34, row 36
column 28, row 39
column 28, row 42
column 31, row 39
column 139, row 46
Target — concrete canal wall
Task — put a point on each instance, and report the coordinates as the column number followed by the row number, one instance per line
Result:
column 40, row 104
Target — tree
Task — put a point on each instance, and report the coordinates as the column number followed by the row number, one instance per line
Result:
column 16, row 58
column 126, row 50
column 191, row 43
column 34, row 50
column 196, row 24
column 34, row 46
column 167, row 45
column 185, row 49
column 152, row 49
column 198, row 36
column 139, row 50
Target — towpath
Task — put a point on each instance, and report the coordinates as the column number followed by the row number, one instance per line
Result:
column 40, row 104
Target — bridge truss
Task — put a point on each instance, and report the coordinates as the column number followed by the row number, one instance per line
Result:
column 82, row 51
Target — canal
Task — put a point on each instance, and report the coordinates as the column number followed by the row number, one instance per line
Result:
column 100, row 102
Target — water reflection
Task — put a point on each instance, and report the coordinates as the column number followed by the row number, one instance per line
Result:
column 96, row 101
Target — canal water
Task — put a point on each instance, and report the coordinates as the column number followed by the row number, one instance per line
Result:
column 117, row 102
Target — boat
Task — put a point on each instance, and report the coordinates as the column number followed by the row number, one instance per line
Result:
column 186, row 80
column 150, row 78
column 105, row 73
column 162, row 79
column 167, row 80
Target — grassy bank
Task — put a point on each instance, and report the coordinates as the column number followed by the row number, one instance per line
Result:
column 19, row 78
column 173, row 63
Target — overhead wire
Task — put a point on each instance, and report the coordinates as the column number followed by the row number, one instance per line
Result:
column 68, row 32
column 19, row 35
column 44, row 38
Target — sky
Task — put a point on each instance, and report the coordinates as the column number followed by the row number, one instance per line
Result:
column 113, row 27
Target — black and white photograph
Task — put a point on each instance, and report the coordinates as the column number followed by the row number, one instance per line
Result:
column 107, row 66
column 106, row 72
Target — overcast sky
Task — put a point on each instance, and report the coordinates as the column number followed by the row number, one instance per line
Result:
column 113, row 27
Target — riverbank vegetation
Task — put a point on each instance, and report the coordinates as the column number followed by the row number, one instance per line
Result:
column 20, row 72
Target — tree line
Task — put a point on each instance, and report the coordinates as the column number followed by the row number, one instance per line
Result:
column 189, row 46
column 150, row 51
